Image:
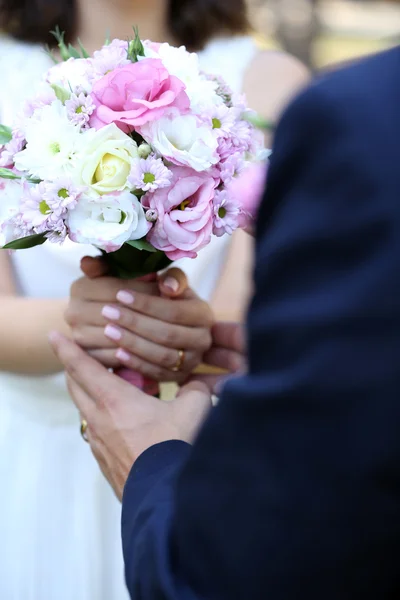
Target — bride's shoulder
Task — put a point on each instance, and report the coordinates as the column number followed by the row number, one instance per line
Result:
column 272, row 79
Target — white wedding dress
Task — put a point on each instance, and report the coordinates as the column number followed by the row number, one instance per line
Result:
column 59, row 520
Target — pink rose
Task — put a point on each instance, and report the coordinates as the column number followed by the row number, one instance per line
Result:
column 135, row 94
column 184, row 214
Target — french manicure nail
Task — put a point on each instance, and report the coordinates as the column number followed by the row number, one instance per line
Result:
column 171, row 283
column 113, row 333
column 110, row 312
column 125, row 297
column 123, row 355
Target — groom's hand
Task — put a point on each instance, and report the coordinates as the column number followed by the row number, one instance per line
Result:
column 123, row 421
column 228, row 352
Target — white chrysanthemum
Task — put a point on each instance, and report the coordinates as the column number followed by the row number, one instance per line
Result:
column 108, row 221
column 202, row 92
column 73, row 74
column 183, row 140
column 52, row 144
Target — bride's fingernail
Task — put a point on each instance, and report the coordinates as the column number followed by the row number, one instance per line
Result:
column 123, row 355
column 125, row 297
column 110, row 312
column 113, row 333
column 171, row 283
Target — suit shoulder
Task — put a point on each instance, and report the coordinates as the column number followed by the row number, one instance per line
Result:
column 352, row 97
column 371, row 77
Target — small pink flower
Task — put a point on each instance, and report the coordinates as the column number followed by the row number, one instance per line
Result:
column 14, row 146
column 232, row 167
column 226, row 214
column 185, row 213
column 36, row 212
column 137, row 93
column 109, row 58
column 149, row 174
column 79, row 109
column 62, row 194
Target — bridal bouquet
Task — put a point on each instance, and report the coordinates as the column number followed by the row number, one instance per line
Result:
column 132, row 150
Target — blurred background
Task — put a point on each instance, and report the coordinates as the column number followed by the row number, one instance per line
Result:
column 326, row 32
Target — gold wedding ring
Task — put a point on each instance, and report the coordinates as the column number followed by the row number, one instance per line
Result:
column 84, row 426
column 179, row 363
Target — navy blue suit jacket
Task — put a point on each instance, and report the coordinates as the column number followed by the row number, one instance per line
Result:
column 292, row 489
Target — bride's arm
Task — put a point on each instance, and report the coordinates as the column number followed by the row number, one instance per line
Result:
column 24, row 325
column 282, row 77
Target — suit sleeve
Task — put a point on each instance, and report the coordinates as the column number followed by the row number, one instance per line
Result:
column 291, row 490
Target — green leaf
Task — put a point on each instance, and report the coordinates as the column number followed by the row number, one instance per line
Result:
column 26, row 242
column 258, row 122
column 5, row 134
column 50, row 54
column 141, row 245
column 129, row 262
column 8, row 174
column 84, row 52
column 61, row 93
column 73, row 52
column 60, row 35
column 107, row 41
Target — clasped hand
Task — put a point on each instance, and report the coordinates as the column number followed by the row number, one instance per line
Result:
column 141, row 325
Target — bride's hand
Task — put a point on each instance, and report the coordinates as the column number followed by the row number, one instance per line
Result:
column 127, row 323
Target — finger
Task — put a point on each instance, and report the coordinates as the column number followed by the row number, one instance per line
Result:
column 82, row 401
column 94, row 266
column 150, row 370
column 167, row 358
column 225, row 359
column 105, row 289
column 194, row 385
column 161, row 333
column 106, row 357
column 89, row 337
column 173, row 283
column 92, row 377
column 84, row 312
column 212, row 382
column 189, row 312
column 229, row 335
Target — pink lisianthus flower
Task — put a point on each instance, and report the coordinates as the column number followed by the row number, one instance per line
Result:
column 135, row 94
column 246, row 191
column 184, row 214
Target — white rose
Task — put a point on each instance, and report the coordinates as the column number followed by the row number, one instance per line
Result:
column 106, row 159
column 182, row 140
column 108, row 221
column 10, row 198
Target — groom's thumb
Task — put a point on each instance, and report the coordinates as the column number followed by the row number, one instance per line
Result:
column 173, row 283
column 94, row 266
